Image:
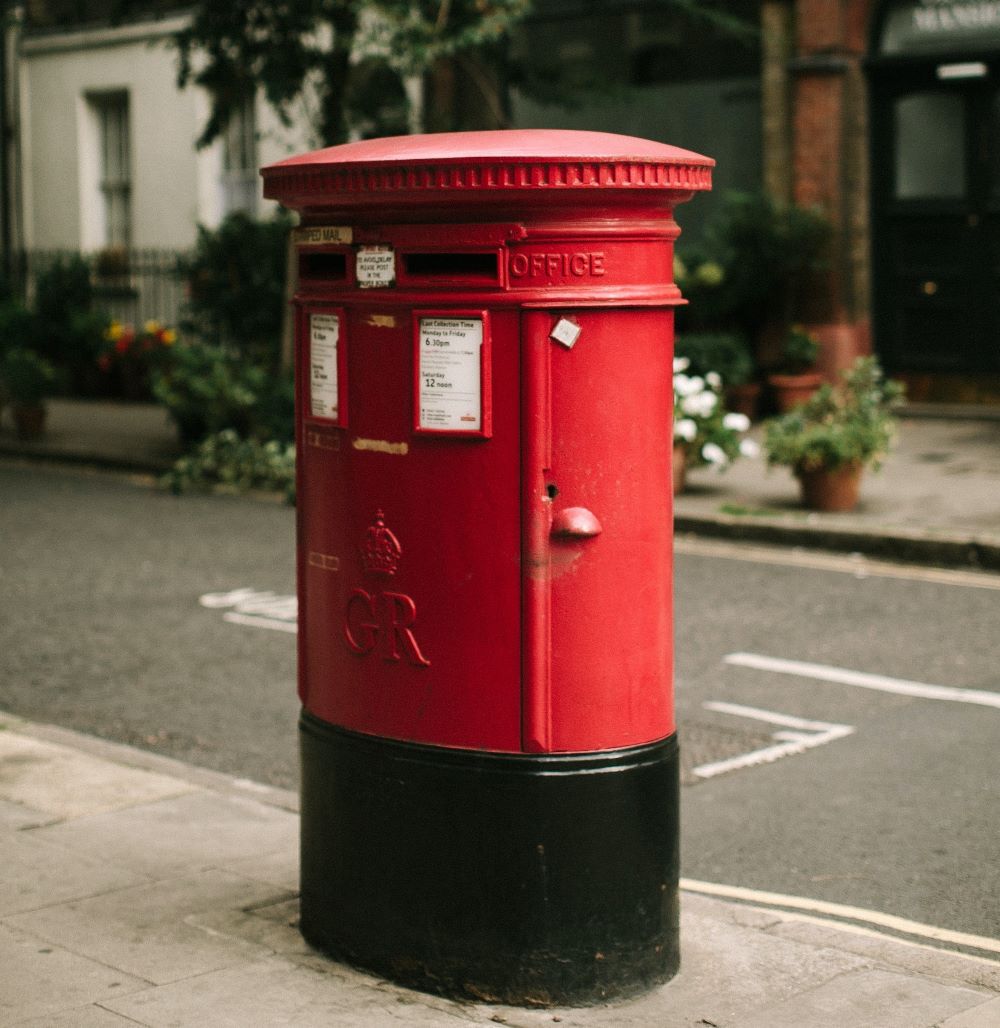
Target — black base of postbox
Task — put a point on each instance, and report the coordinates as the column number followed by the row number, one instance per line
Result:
column 530, row 879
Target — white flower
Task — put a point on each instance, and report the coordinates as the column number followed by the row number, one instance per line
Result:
column 736, row 422
column 699, row 405
column 714, row 379
column 681, row 364
column 684, row 386
column 685, row 429
column 748, row 448
column 715, row 455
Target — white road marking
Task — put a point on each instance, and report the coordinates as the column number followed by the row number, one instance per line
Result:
column 839, row 910
column 863, row 680
column 855, row 564
column 806, row 735
column 257, row 622
column 255, row 609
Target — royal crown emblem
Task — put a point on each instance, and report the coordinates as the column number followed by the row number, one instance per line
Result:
column 381, row 551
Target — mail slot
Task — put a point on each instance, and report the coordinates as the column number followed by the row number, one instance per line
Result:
column 489, row 753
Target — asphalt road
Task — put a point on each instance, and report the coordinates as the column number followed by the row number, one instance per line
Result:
column 119, row 618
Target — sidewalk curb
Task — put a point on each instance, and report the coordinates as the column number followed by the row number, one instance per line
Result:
column 144, row 760
column 98, row 461
column 907, row 547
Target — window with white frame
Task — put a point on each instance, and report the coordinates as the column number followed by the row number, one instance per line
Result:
column 111, row 116
column 239, row 159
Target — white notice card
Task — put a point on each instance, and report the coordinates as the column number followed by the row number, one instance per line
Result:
column 324, row 337
column 451, row 394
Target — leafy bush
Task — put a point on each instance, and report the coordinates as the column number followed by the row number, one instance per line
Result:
column 26, row 377
column 18, row 326
column 801, row 350
column 236, row 283
column 69, row 331
column 225, row 462
column 847, row 424
column 725, row 353
column 208, row 388
column 753, row 265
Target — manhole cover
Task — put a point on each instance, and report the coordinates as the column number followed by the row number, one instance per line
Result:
column 703, row 743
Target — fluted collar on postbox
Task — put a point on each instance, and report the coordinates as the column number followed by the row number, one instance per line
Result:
column 475, row 170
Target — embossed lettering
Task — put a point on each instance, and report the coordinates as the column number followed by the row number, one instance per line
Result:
column 401, row 612
column 360, row 604
column 383, row 620
column 552, row 265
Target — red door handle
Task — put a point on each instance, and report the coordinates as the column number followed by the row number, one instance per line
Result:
column 574, row 523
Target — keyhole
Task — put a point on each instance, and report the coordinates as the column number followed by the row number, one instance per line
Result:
column 551, row 491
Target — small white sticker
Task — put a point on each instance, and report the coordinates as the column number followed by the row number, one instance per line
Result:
column 566, row 332
column 375, row 267
column 451, row 397
column 324, row 338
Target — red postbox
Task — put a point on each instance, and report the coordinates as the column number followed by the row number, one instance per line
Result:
column 489, row 759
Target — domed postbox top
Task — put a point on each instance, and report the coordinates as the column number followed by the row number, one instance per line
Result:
column 477, row 163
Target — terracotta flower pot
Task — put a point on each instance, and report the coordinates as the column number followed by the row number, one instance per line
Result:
column 679, row 466
column 831, row 489
column 743, row 399
column 791, row 391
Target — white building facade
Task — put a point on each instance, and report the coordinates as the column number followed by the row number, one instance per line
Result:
column 106, row 158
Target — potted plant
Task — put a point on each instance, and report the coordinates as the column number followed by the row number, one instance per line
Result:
column 833, row 436
column 28, row 379
column 705, row 433
column 797, row 378
column 727, row 354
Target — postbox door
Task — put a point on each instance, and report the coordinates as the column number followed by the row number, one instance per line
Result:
column 598, row 501
column 409, row 532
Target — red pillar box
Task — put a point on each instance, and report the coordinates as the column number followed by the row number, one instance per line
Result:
column 489, row 757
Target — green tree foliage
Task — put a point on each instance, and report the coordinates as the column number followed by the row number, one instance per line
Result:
column 236, row 281
column 289, row 48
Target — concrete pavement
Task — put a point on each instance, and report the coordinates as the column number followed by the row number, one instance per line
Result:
column 140, row 891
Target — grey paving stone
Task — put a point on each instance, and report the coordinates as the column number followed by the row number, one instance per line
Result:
column 182, row 834
column 149, row 930
column 275, row 993
column 39, row 980
column 38, row 874
column 986, row 1015
column 67, row 783
column 278, row 868
column 78, row 1017
column 883, row 949
column 16, row 816
column 726, row 970
column 274, row 926
column 868, row 999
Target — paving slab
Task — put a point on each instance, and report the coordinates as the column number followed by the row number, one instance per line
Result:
column 79, row 1017
column 275, row 992
column 38, row 874
column 180, row 834
column 145, row 931
column 74, row 783
column 986, row 1015
column 38, row 979
column 867, row 997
